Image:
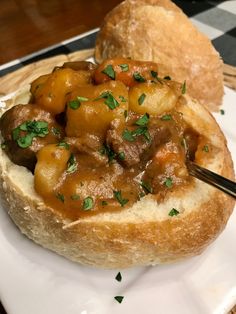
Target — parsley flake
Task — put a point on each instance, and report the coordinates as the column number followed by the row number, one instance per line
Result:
column 3, row 146
column 106, row 150
column 205, row 149
column 222, row 111
column 173, row 212
column 128, row 136
column 154, row 74
column 88, row 203
column 124, row 67
column 75, row 197
column 25, row 141
column 138, row 77
column 61, row 197
column 104, row 203
column 121, row 156
column 183, row 88
column 126, row 114
column 118, row 196
column 122, row 98
column 146, row 186
column 33, row 129
column 110, row 100
column 109, row 71
column 141, row 99
column 168, row 183
column 167, row 78
column 55, row 131
column 81, row 98
column 119, row 298
column 75, row 103
column 64, row 145
column 143, row 121
column 71, row 164
column 166, row 117
column 118, row 277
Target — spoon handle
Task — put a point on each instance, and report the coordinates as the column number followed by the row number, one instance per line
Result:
column 212, row 178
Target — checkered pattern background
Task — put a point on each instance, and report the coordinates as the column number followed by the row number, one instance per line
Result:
column 217, row 19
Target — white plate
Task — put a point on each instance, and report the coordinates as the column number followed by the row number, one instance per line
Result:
column 34, row 280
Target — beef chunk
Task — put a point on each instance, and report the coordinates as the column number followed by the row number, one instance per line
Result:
column 142, row 147
column 25, row 130
column 89, row 145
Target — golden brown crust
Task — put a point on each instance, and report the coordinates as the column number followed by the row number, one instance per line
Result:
column 141, row 235
column 159, row 31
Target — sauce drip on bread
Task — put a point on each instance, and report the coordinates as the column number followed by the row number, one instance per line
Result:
column 113, row 134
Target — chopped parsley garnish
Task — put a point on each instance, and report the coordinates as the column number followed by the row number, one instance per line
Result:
column 173, row 212
column 141, row 195
column 71, row 164
column 109, row 71
column 166, row 117
column 121, row 156
column 167, row 78
column 143, row 121
column 154, row 74
column 126, row 114
column 128, row 136
column 141, row 99
column 183, row 88
column 75, row 197
column 81, row 98
column 119, row 277
column 205, row 149
column 120, row 199
column 88, row 203
column 106, row 150
column 146, row 186
column 124, row 67
column 33, row 129
column 55, row 131
column 3, row 145
column 104, row 203
column 110, row 100
column 138, row 77
column 122, row 98
column 25, row 141
column 119, row 298
column 75, row 103
column 64, row 145
column 168, row 182
column 61, row 197
column 222, row 111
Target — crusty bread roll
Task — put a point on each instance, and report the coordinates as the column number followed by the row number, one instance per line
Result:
column 143, row 234
column 157, row 30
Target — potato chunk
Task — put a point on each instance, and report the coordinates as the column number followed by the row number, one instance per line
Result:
column 51, row 163
column 92, row 108
column 50, row 91
column 153, row 98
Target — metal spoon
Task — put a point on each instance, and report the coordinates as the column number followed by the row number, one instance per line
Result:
column 211, row 178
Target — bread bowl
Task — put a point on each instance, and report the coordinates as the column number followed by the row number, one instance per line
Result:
column 157, row 228
column 159, row 31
